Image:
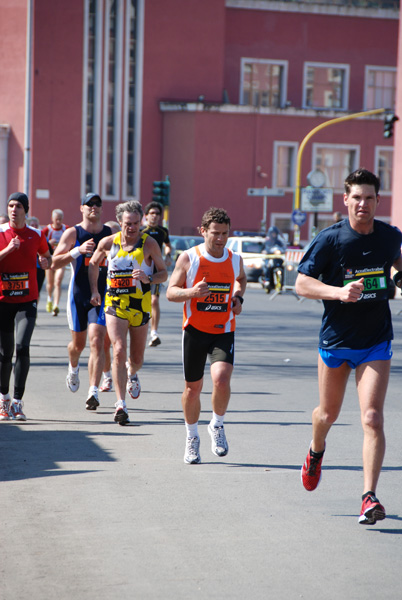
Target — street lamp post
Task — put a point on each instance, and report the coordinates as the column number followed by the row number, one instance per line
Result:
column 366, row 113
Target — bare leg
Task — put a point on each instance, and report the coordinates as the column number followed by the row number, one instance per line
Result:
column 117, row 331
column 156, row 313
column 372, row 382
column 96, row 336
column 191, row 401
column 58, row 279
column 76, row 346
column 50, row 273
column 332, row 386
column 221, row 373
column 138, row 340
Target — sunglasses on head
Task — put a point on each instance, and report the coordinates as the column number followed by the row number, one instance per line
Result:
column 92, row 203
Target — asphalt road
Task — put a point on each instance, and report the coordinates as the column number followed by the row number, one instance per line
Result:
column 92, row 510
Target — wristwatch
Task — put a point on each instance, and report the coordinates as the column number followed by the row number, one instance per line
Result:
column 150, row 278
column 240, row 299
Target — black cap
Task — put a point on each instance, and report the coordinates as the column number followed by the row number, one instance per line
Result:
column 90, row 197
column 22, row 198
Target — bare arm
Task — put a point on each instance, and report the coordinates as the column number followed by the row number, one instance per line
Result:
column 152, row 251
column 239, row 289
column 168, row 254
column 309, row 287
column 45, row 260
column 176, row 291
column 93, row 268
column 62, row 256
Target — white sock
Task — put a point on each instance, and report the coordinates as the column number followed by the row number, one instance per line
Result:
column 5, row 397
column 49, row 299
column 107, row 374
column 154, row 332
column 217, row 420
column 93, row 389
column 74, row 369
column 192, row 430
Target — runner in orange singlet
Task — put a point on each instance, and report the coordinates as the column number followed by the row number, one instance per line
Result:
column 210, row 280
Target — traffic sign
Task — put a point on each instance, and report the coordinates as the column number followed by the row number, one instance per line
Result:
column 299, row 217
column 317, row 199
column 265, row 191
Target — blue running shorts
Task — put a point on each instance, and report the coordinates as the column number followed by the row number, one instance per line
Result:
column 335, row 358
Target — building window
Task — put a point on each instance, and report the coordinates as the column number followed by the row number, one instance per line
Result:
column 111, row 63
column 383, row 166
column 91, row 93
column 263, row 82
column 111, row 105
column 131, row 94
column 284, row 167
column 380, row 87
column 336, row 162
column 326, row 86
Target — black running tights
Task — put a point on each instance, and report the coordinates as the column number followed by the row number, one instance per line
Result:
column 20, row 317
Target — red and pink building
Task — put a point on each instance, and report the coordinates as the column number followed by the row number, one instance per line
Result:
column 216, row 94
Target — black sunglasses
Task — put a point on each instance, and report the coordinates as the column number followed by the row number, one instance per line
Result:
column 92, row 203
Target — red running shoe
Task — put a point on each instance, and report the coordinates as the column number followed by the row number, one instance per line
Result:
column 372, row 511
column 311, row 472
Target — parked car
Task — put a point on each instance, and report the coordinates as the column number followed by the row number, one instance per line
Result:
column 183, row 242
column 251, row 249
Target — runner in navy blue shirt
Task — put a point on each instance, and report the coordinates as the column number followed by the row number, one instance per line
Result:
column 348, row 267
column 76, row 246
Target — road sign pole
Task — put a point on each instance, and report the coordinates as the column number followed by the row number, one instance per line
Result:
column 264, row 214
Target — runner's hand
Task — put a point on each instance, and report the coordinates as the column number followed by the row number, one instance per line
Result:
column 14, row 244
column 87, row 247
column 200, row 289
column 352, row 291
column 43, row 262
column 95, row 299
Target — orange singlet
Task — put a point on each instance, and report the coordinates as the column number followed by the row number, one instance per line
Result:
column 212, row 314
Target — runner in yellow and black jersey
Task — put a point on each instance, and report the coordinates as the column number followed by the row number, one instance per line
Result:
column 134, row 262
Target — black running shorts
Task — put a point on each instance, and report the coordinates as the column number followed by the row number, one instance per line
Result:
column 197, row 345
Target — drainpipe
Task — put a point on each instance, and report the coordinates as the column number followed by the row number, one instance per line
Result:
column 4, row 135
column 28, row 100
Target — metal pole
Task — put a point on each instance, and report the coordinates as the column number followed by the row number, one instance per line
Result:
column 366, row 113
column 264, row 215
column 28, row 96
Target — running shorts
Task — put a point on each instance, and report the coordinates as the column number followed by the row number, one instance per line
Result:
column 135, row 318
column 335, row 358
column 197, row 345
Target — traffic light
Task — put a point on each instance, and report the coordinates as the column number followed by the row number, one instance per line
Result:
column 161, row 192
column 389, row 121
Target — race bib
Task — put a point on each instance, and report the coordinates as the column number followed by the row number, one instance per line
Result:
column 102, row 265
column 375, row 282
column 217, row 299
column 15, row 284
column 121, row 282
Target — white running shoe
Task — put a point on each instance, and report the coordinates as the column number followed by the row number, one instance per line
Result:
column 72, row 381
column 16, row 411
column 92, row 401
column 192, row 453
column 219, row 445
column 5, row 410
column 121, row 414
column 106, row 385
column 133, row 386
column 155, row 340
